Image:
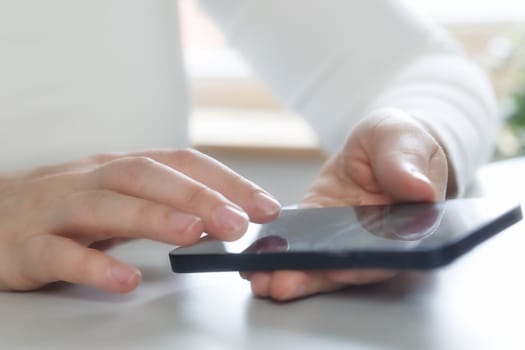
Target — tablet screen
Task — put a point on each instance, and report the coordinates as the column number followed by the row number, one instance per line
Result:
column 358, row 235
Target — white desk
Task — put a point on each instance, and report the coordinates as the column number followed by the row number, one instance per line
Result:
column 477, row 302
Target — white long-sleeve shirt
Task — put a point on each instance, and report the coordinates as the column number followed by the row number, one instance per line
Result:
column 87, row 76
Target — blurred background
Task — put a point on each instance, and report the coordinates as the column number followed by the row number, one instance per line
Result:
column 227, row 97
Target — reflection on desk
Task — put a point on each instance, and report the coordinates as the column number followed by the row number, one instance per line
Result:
column 475, row 303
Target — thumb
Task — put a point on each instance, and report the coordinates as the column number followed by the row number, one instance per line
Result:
column 405, row 180
column 408, row 162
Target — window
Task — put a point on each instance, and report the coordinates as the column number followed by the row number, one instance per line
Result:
column 225, row 91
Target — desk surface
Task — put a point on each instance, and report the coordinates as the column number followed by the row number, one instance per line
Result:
column 477, row 302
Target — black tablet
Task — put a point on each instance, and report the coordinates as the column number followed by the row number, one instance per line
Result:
column 402, row 236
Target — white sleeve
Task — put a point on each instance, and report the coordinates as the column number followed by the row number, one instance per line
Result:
column 332, row 61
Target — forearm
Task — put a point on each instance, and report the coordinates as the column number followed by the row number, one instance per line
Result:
column 335, row 61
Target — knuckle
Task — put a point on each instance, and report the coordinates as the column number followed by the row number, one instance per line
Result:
column 39, row 171
column 81, row 263
column 51, row 267
column 128, row 171
column 145, row 214
column 197, row 195
column 86, row 204
column 40, row 248
column 185, row 157
column 35, row 259
column 238, row 181
column 138, row 161
column 244, row 189
column 132, row 165
column 85, row 215
column 102, row 158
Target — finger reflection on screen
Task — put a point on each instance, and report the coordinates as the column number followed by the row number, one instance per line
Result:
column 268, row 244
column 363, row 227
column 408, row 222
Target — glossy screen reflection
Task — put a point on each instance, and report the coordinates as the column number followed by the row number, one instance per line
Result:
column 333, row 229
column 403, row 236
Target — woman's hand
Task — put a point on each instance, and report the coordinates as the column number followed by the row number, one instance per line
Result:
column 387, row 158
column 49, row 217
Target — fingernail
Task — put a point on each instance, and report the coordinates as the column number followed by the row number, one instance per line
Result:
column 292, row 293
column 186, row 224
column 125, row 274
column 245, row 275
column 268, row 205
column 299, row 292
column 420, row 176
column 414, row 172
column 232, row 219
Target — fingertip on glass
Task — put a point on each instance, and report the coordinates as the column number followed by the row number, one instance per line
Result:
column 231, row 219
column 266, row 204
